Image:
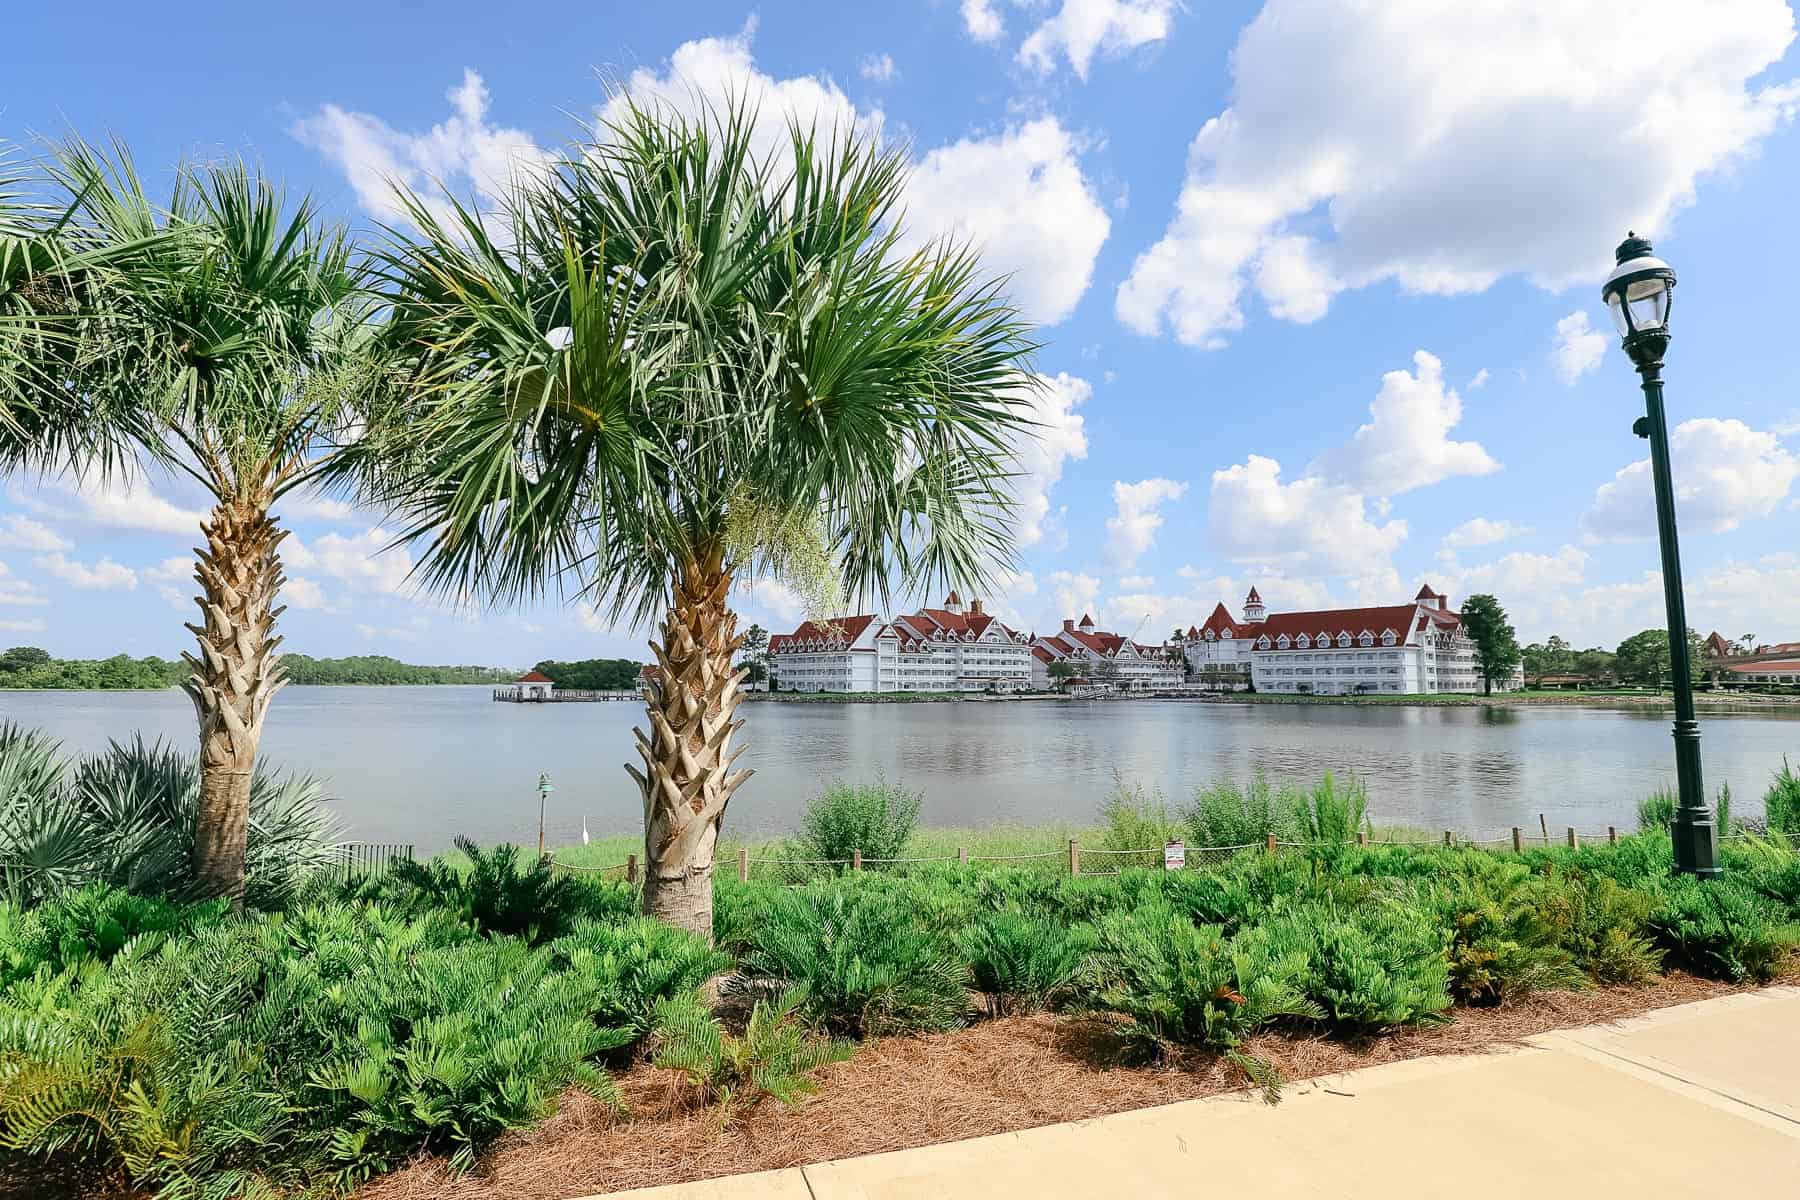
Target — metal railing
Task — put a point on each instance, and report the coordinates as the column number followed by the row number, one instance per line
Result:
column 359, row 860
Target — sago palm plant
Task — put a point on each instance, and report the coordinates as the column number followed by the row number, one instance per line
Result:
column 226, row 348
column 667, row 365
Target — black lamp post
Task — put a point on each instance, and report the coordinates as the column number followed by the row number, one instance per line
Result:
column 1639, row 292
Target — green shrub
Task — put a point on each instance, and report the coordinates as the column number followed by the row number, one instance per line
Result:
column 1608, row 929
column 875, row 818
column 1506, row 938
column 868, row 965
column 1024, row 963
column 92, row 925
column 1331, row 812
column 776, row 1056
column 635, row 966
column 1657, row 810
column 1366, row 967
column 1781, row 803
column 1137, row 819
column 1226, row 815
column 1724, row 928
column 504, row 892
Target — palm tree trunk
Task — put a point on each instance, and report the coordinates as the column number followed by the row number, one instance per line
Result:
column 235, row 675
column 687, row 778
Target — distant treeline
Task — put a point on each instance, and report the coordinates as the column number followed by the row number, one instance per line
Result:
column 30, row 667
column 603, row 674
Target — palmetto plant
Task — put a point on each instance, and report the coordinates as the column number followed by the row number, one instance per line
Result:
column 223, row 347
column 667, row 365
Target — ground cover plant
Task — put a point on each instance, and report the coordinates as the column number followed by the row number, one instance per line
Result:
column 196, row 1052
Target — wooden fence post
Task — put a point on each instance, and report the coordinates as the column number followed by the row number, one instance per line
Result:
column 1449, row 838
column 856, row 860
column 1362, row 837
column 1612, row 835
column 1518, row 842
column 1271, row 843
column 1574, row 838
column 631, row 868
column 743, row 864
column 1074, row 857
column 962, row 856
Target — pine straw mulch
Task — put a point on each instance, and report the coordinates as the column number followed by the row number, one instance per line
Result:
column 993, row 1077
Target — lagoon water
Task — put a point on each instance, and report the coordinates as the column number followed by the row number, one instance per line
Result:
column 423, row 764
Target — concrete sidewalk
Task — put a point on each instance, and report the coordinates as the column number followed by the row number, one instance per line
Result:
column 1698, row 1100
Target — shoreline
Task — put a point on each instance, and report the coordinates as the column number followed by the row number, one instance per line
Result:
column 1712, row 700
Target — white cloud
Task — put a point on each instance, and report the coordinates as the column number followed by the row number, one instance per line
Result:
column 1479, row 381
column 1309, row 525
column 462, row 153
column 1481, row 531
column 22, row 533
column 303, row 593
column 318, row 508
column 1020, row 198
column 1725, row 474
column 1577, row 349
column 19, row 593
column 1137, row 583
column 32, row 625
column 103, row 576
column 1039, row 458
column 878, row 68
column 1405, row 140
column 1789, row 427
column 1406, row 446
column 1131, row 530
column 982, row 20
column 1083, row 28
column 765, row 595
column 1076, row 595
column 173, row 579
column 120, row 502
column 361, row 560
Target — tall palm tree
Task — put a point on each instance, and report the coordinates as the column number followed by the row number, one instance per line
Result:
column 224, row 348
column 668, row 364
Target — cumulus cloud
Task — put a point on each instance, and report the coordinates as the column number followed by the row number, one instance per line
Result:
column 1577, row 347
column 361, row 560
column 1725, row 473
column 1480, row 380
column 1309, row 525
column 464, row 153
column 765, row 595
column 1075, row 594
column 1137, row 583
column 305, row 594
column 878, row 68
column 1080, row 29
column 982, row 20
column 1040, row 454
column 120, row 502
column 19, row 593
column 1407, row 446
column 1365, row 141
column 173, row 579
column 30, row 625
column 1481, row 531
column 1137, row 515
column 1021, row 199
column 104, row 575
column 20, row 532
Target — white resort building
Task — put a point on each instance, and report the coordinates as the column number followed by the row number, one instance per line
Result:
column 1106, row 659
column 1406, row 649
column 948, row 649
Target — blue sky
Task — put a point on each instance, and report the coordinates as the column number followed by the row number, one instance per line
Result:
column 1317, row 281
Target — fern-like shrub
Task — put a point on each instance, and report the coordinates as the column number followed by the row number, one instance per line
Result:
column 636, row 966
column 868, row 965
column 1366, row 968
column 777, row 1054
column 502, row 892
column 876, row 818
column 1507, row 938
column 1781, row 803
column 1137, row 818
column 1021, row 963
column 1225, row 814
column 1724, row 928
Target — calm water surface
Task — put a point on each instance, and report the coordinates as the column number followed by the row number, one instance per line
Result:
column 423, row 764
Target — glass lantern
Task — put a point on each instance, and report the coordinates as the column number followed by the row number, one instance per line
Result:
column 1639, row 290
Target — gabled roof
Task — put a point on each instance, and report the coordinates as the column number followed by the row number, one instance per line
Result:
column 1397, row 617
column 837, row 629
column 1253, row 598
column 1220, row 621
column 535, row 677
column 1780, row 666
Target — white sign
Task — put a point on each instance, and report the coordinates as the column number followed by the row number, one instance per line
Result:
column 1174, row 856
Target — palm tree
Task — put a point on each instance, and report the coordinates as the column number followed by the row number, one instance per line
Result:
column 225, row 349
column 668, row 364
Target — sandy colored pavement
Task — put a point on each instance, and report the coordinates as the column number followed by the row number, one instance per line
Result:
column 1698, row 1100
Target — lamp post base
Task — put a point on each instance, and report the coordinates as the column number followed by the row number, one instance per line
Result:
column 1696, row 844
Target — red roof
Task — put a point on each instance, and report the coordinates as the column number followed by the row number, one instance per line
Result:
column 1331, row 622
column 1220, row 621
column 1253, row 598
column 534, row 677
column 1781, row 666
column 836, row 629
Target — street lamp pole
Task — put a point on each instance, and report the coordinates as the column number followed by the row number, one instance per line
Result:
column 1639, row 292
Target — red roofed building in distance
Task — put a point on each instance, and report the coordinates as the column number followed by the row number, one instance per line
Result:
column 1218, row 653
column 1106, row 658
column 535, row 685
column 954, row 648
column 1408, row 649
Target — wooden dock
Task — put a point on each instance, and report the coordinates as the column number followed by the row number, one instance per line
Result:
column 515, row 695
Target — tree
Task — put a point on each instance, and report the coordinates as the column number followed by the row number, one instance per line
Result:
column 1553, row 657
column 754, row 660
column 213, row 342
column 1496, row 647
column 671, row 362
column 1061, row 671
column 23, row 658
column 1644, row 657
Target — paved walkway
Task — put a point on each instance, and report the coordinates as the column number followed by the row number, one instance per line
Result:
column 1698, row 1100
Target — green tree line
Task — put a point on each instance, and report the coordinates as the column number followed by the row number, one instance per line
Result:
column 597, row 674
column 1642, row 658
column 32, row 667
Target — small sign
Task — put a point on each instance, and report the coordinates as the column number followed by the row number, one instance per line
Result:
column 1174, row 856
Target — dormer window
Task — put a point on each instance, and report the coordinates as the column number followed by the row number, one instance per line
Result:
column 1263, row 642
column 1367, row 638
column 1227, row 632
column 1209, row 635
column 1302, row 641
column 1324, row 639
column 1343, row 639
column 1282, row 642
column 1387, row 638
